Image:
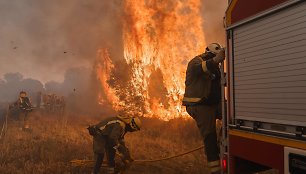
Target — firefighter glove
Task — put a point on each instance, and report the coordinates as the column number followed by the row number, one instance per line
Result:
column 219, row 56
column 92, row 130
column 123, row 153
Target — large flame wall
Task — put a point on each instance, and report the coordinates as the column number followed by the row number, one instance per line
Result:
column 159, row 39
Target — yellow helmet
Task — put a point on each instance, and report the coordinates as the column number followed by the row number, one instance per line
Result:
column 135, row 123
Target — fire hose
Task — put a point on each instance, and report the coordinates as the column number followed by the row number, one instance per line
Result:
column 89, row 163
column 173, row 156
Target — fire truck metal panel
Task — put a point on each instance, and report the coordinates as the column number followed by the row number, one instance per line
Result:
column 266, row 84
column 269, row 60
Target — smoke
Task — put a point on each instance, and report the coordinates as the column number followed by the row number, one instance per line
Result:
column 76, row 79
column 213, row 13
column 46, row 40
column 80, row 89
column 42, row 38
column 13, row 83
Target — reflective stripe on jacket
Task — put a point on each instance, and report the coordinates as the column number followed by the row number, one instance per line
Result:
column 198, row 80
column 113, row 128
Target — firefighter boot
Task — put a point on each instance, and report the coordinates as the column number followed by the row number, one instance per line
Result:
column 98, row 162
column 212, row 153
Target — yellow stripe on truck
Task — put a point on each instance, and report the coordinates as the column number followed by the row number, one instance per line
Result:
column 269, row 139
column 193, row 100
column 229, row 12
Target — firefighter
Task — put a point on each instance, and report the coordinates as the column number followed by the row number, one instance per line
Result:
column 25, row 106
column 108, row 138
column 202, row 97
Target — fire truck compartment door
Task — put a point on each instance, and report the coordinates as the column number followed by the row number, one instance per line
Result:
column 269, row 68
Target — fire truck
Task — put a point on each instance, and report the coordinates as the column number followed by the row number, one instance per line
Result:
column 264, row 105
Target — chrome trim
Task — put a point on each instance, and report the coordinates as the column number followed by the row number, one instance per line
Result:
column 274, row 131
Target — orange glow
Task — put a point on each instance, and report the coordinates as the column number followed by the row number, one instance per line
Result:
column 159, row 39
column 104, row 67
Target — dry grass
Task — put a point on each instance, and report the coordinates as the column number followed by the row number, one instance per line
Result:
column 53, row 142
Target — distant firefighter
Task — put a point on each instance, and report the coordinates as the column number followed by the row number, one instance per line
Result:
column 25, row 106
column 203, row 96
column 108, row 137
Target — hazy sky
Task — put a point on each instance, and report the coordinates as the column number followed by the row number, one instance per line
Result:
column 41, row 39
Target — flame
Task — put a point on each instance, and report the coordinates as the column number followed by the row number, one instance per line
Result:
column 159, row 39
column 104, row 67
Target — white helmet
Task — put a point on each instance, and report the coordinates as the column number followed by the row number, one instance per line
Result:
column 135, row 123
column 214, row 48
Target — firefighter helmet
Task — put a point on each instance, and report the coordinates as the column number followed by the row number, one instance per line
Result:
column 135, row 123
column 214, row 48
column 22, row 94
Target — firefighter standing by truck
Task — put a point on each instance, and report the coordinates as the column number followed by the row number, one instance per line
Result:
column 25, row 106
column 108, row 137
column 202, row 97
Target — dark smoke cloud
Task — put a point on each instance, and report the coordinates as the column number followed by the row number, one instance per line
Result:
column 213, row 12
column 44, row 38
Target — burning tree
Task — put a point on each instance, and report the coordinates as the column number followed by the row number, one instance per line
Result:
column 149, row 79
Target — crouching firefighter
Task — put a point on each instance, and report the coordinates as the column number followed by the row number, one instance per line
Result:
column 108, row 139
column 202, row 97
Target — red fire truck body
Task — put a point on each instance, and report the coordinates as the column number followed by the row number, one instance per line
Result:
column 264, row 114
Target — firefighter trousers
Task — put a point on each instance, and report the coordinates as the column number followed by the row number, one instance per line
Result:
column 205, row 117
column 23, row 120
column 103, row 145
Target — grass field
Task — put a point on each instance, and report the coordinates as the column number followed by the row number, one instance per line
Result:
column 54, row 141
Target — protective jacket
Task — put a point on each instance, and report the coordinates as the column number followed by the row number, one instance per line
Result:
column 202, row 85
column 112, row 128
column 24, row 103
column 109, row 135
